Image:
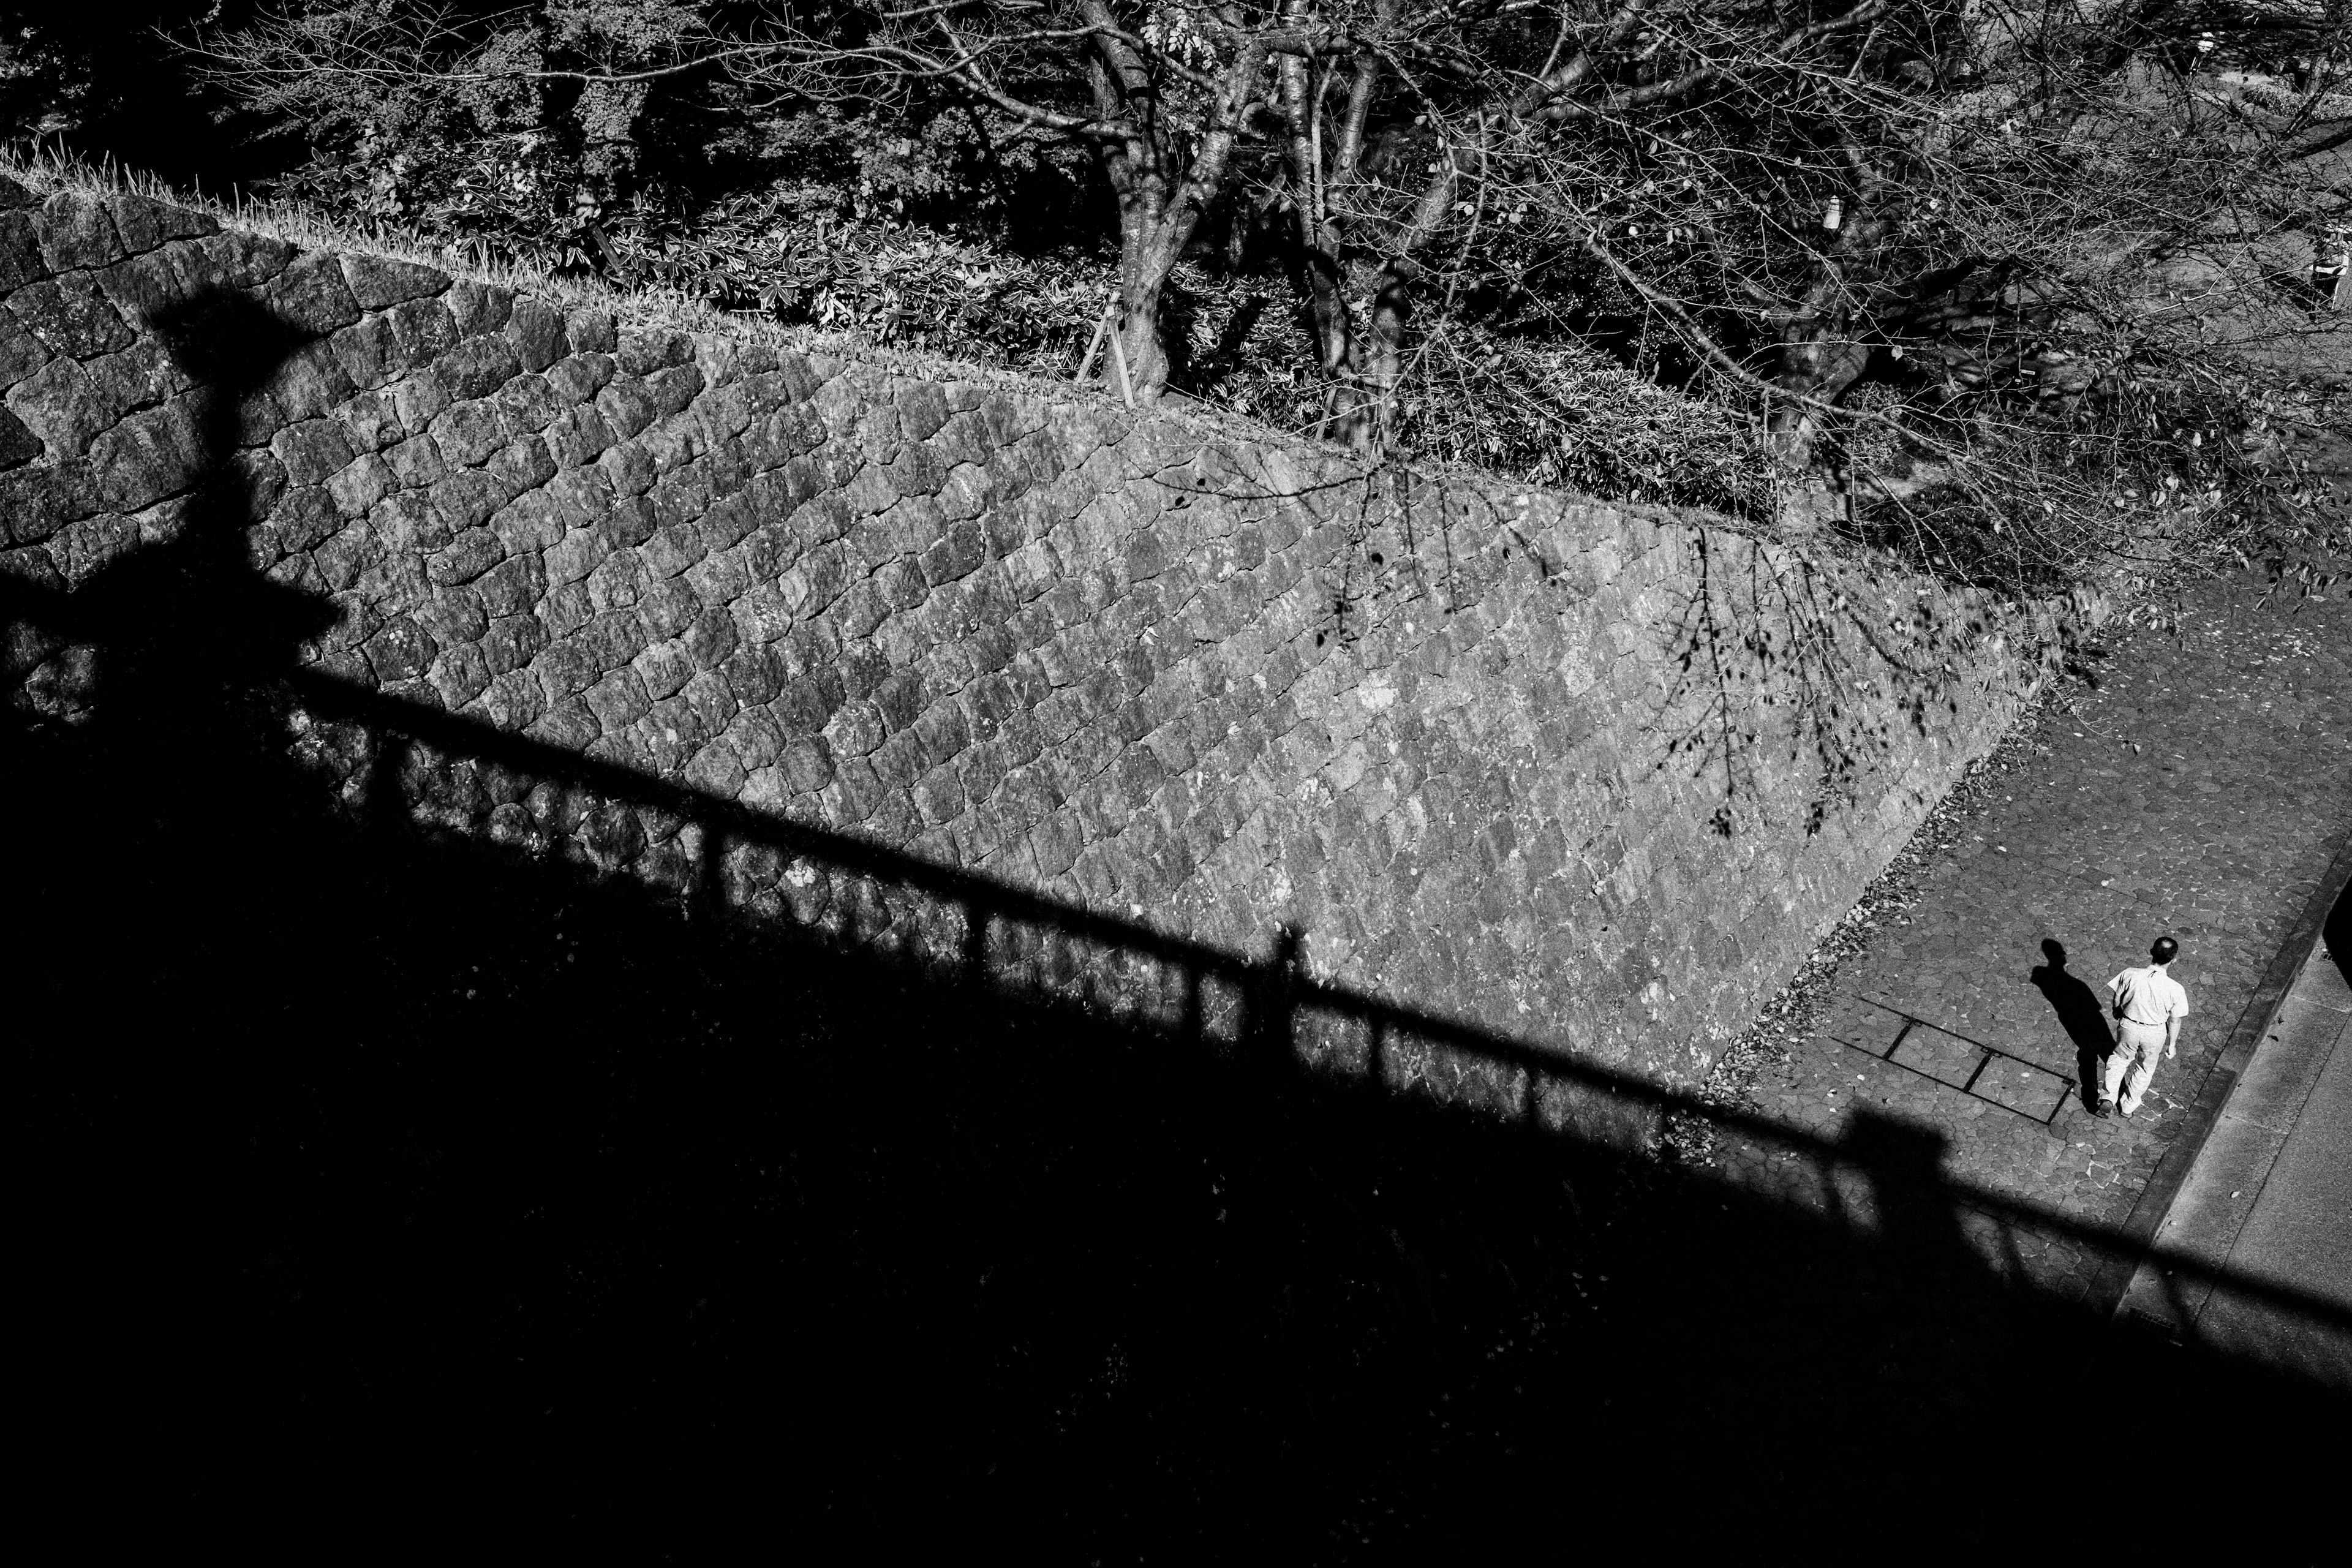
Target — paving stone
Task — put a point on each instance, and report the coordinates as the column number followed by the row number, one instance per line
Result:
column 1944, row 1057
column 2024, row 1089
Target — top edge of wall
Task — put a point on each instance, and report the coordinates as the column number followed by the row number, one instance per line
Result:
column 307, row 228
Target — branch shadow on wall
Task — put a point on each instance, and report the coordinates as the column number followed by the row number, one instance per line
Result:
column 881, row 1199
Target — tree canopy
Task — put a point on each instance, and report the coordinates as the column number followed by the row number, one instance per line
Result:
column 1994, row 282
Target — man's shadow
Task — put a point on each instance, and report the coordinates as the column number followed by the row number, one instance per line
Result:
column 2080, row 1013
column 168, row 812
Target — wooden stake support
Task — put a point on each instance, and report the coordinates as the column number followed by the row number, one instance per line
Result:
column 1106, row 327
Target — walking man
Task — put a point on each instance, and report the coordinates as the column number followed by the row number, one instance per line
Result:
column 2149, row 1005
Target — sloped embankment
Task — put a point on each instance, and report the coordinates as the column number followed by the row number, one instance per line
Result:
column 1585, row 776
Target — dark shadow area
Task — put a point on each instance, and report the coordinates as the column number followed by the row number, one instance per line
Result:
column 368, row 1172
column 2081, row 1013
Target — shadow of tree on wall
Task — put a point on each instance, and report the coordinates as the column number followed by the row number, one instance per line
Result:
column 364, row 1166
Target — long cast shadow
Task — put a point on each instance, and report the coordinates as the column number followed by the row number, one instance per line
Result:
column 591, row 1200
column 2080, row 1013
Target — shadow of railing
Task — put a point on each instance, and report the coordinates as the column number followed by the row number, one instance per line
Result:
column 979, row 1183
column 952, row 926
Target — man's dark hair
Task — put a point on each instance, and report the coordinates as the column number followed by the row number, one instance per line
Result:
column 2165, row 951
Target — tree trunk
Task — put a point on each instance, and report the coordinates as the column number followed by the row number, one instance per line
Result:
column 1159, row 207
column 1316, row 256
column 1142, row 281
column 1366, row 427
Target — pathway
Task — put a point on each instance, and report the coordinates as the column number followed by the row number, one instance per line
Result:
column 2201, row 789
column 2270, row 1196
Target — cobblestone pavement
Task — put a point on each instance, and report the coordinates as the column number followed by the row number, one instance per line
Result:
column 2199, row 787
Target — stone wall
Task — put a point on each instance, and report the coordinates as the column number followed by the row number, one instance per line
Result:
column 1591, row 777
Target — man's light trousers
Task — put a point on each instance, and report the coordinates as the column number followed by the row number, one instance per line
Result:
column 2139, row 1048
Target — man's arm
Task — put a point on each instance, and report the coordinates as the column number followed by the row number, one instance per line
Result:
column 2172, row 1036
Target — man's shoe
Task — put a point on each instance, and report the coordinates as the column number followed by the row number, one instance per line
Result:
column 2101, row 1110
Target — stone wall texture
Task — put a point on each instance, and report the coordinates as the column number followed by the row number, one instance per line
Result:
column 1591, row 777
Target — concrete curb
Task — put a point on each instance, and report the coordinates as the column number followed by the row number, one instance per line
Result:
column 2113, row 1284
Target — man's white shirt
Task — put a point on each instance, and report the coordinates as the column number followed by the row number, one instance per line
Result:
column 2148, row 996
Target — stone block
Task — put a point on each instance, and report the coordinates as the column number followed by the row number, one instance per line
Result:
column 41, row 499
column 371, row 420
column 476, row 367
column 18, row 444
column 536, row 331
column 626, row 408
column 69, row 316
column 671, row 552
column 343, row 555
column 618, row 582
column 531, row 402
column 76, row 231
column 671, row 390
column 143, row 225
column 514, row 586
column 807, row 763
column 20, row 251
column 463, row 500
column 576, row 555
column 511, row 642
column 529, row 523
column 618, row 700
column 712, row 639
column 466, row 558
column 668, row 606
column 713, row 703
column 357, row 486
column 578, row 437
column 419, row 398
column 629, row 520
column 759, row 741
column 578, row 378
column 626, row 471
column 854, row 729
column 663, row 668
column 312, row 450
column 513, row 700
column 60, row 405
column 722, row 578
column 235, row 260
column 615, row 637
column 368, row 352
column 566, row 667
column 479, row 307
column 310, row 296
column 519, row 466
column 757, row 676
column 309, row 382
column 568, row 724
column 467, row 433
column 459, row 676
column 305, row 518
column 378, row 282
column 422, row 331
column 400, row 650
column 21, row 354
column 716, row 770
column 150, row 455
column 417, row 463
column 641, row 354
